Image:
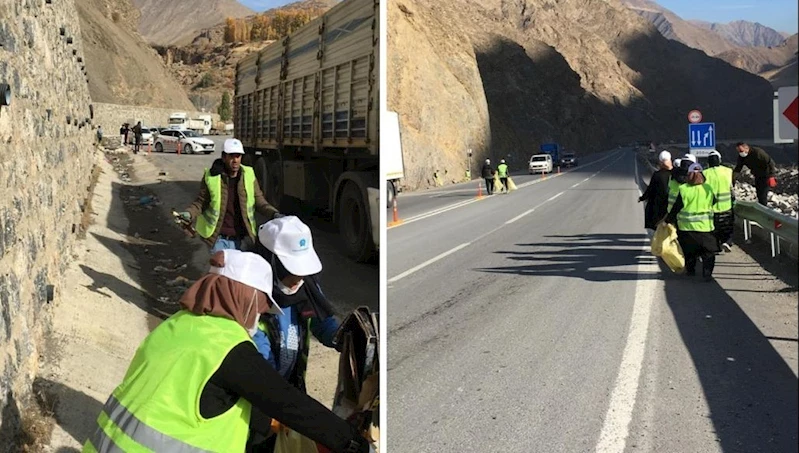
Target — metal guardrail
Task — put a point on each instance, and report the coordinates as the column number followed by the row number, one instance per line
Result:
column 779, row 226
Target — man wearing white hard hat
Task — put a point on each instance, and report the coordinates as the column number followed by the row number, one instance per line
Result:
column 228, row 200
column 720, row 179
column 657, row 193
column 198, row 383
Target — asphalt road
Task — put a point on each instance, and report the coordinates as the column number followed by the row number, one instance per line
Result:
column 346, row 283
column 538, row 322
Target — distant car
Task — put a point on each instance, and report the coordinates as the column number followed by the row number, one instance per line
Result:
column 146, row 136
column 541, row 163
column 568, row 160
column 190, row 142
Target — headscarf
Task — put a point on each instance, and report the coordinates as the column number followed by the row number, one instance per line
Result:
column 217, row 295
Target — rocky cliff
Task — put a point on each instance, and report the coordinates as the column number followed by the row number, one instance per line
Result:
column 45, row 169
column 177, row 22
column 501, row 77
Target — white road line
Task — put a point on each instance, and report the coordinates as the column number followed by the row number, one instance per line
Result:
column 615, row 429
column 427, row 263
column 451, row 251
column 519, row 216
column 464, row 203
column 575, row 185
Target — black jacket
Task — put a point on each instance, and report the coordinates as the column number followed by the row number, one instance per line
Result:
column 488, row 171
column 758, row 162
column 657, row 198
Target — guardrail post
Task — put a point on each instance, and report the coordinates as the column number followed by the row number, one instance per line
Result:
column 771, row 236
column 747, row 232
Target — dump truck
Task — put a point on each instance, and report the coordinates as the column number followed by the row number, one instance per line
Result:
column 306, row 109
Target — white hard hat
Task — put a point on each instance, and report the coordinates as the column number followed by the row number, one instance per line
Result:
column 290, row 240
column 690, row 157
column 664, row 156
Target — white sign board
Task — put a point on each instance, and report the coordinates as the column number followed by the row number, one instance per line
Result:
column 788, row 113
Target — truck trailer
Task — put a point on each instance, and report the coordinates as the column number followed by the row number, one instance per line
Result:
column 306, row 109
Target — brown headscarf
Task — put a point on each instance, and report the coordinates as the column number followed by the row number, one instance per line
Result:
column 217, row 295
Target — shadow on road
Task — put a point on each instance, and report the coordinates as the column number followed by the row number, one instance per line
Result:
column 750, row 390
column 588, row 257
column 78, row 410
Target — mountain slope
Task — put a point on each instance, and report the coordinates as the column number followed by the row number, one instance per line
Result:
column 758, row 60
column 503, row 77
column 674, row 27
column 178, row 21
column 743, row 33
column 122, row 68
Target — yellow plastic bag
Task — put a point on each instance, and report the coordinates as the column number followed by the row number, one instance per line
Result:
column 511, row 185
column 662, row 234
column 668, row 247
column 290, row 441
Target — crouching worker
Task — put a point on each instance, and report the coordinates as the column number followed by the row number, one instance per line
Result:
column 693, row 214
column 198, row 383
column 284, row 339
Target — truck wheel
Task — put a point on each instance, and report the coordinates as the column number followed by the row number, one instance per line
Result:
column 391, row 193
column 353, row 224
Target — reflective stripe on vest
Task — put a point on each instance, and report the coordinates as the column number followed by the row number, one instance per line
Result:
column 156, row 407
column 122, row 421
column 720, row 180
column 208, row 220
column 697, row 211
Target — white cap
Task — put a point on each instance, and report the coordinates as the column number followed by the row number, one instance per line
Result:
column 233, row 146
column 664, row 156
column 488, row 161
column 714, row 153
column 249, row 269
column 290, row 240
column 677, row 162
column 690, row 157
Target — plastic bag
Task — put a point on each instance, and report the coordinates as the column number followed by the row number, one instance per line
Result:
column 662, row 234
column 511, row 185
column 290, row 441
column 668, row 247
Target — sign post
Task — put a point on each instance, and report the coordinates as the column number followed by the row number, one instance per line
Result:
column 787, row 114
column 701, row 138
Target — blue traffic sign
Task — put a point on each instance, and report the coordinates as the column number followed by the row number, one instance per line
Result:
column 702, row 135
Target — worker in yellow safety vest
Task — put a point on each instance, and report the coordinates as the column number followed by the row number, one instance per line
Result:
column 228, row 200
column 720, row 179
column 693, row 214
column 502, row 171
column 197, row 382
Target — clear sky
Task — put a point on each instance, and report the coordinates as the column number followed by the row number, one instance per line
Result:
column 777, row 14
column 780, row 15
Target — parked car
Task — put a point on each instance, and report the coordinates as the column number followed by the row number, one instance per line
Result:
column 541, row 163
column 568, row 160
column 190, row 142
column 146, row 136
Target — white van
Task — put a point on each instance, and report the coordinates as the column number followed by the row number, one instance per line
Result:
column 541, row 163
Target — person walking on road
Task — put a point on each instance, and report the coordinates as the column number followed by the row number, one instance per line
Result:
column 488, row 175
column 762, row 167
column 678, row 175
column 198, row 383
column 719, row 178
column 137, row 136
column 99, row 135
column 693, row 214
column 123, row 131
column 284, row 339
column 228, row 200
column 656, row 194
column 502, row 170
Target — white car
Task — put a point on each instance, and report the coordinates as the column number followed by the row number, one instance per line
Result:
column 146, row 136
column 541, row 163
column 190, row 142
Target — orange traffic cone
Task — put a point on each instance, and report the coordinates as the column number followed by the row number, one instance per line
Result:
column 558, row 169
column 396, row 220
column 178, row 146
column 479, row 189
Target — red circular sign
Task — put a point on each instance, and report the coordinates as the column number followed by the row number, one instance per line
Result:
column 694, row 116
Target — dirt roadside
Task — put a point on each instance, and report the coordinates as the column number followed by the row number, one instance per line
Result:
column 127, row 276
